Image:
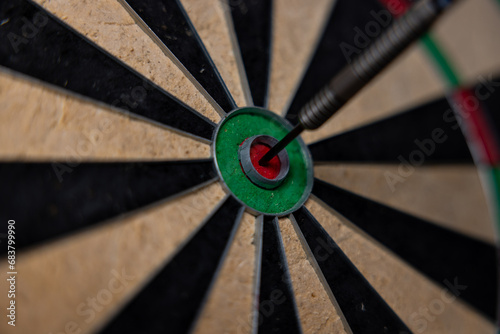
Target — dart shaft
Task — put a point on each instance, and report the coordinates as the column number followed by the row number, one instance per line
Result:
column 276, row 149
column 354, row 76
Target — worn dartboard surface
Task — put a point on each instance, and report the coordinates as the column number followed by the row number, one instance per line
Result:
column 117, row 166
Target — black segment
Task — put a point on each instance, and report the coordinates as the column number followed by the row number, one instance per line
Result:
column 343, row 39
column 252, row 20
column 424, row 135
column 363, row 308
column 488, row 92
column 37, row 44
column 277, row 309
column 171, row 301
column 168, row 20
column 464, row 266
column 49, row 200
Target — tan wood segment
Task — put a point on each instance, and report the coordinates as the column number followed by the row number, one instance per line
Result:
column 451, row 196
column 229, row 307
column 316, row 311
column 210, row 18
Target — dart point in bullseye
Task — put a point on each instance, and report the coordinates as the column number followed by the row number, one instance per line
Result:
column 269, row 175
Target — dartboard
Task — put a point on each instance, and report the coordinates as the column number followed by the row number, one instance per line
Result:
column 132, row 200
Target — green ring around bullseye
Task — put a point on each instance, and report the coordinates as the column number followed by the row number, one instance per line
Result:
column 247, row 122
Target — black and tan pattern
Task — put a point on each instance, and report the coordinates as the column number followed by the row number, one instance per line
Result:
column 148, row 242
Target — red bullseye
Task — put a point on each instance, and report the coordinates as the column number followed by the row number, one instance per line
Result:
column 270, row 170
column 270, row 175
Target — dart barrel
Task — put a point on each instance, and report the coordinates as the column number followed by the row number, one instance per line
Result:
column 370, row 62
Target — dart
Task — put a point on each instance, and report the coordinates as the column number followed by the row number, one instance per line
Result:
column 356, row 75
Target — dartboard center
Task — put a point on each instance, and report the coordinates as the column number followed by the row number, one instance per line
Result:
column 278, row 187
column 269, row 175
